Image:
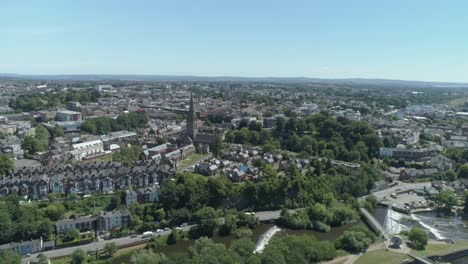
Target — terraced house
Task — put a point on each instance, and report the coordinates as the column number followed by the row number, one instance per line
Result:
column 90, row 178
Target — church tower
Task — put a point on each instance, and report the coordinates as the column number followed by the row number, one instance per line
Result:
column 191, row 120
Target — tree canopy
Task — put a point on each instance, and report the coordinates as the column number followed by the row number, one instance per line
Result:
column 104, row 125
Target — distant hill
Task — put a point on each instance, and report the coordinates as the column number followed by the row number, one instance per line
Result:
column 351, row 81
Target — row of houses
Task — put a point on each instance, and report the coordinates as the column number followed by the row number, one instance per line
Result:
column 102, row 222
column 406, row 154
column 29, row 246
column 142, row 195
column 37, row 183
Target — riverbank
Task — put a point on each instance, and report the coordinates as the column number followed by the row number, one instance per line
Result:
column 376, row 254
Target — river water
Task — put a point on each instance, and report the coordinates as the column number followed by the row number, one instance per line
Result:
column 440, row 226
column 259, row 233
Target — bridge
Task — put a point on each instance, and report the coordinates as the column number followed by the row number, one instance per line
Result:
column 372, row 222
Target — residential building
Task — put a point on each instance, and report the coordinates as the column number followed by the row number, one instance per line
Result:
column 106, row 221
column 130, row 197
column 87, row 149
column 82, row 223
column 29, row 246
column 406, row 154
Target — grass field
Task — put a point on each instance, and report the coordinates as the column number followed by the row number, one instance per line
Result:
column 381, row 257
column 442, row 248
column 389, row 257
column 457, row 101
column 191, row 161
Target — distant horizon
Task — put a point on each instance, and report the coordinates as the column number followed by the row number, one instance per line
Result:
column 181, row 76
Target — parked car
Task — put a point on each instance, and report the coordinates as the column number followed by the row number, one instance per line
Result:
column 147, row 234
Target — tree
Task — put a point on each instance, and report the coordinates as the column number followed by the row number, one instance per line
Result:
column 463, row 171
column 295, row 220
column 58, row 131
column 446, row 199
column 55, row 211
column 173, row 236
column 128, row 155
column 217, row 145
column 244, row 247
column 297, row 249
column 44, row 228
column 370, row 202
column 39, row 142
column 110, row 249
column 147, row 256
column 42, row 259
column 418, row 238
column 115, row 202
column 6, row 227
column 6, row 164
column 229, row 225
column 357, row 239
column 72, row 234
column 9, row 256
column 205, row 251
column 79, row 256
column 208, row 221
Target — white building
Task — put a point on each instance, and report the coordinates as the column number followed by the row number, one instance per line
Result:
column 87, row 149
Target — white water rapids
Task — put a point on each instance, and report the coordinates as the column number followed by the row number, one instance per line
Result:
column 265, row 238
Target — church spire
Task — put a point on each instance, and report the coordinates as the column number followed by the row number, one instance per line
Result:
column 191, row 119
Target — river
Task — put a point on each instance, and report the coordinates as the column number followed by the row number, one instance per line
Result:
column 440, row 226
column 257, row 233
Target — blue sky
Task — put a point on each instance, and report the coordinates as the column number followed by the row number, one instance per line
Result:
column 395, row 39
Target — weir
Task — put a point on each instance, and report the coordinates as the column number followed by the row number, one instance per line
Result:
column 265, row 238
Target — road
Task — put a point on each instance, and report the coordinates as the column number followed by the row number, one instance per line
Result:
column 268, row 215
column 99, row 245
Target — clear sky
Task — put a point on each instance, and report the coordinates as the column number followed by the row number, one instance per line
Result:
column 395, row 39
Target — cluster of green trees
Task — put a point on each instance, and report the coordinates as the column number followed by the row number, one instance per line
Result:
column 418, row 238
column 291, row 189
column 319, row 216
column 446, row 200
column 36, row 102
column 150, row 217
column 6, row 164
column 89, row 205
column 38, row 142
column 316, row 135
column 357, row 239
column 128, row 155
column 104, row 125
column 280, row 250
column 326, row 195
column 9, row 256
column 24, row 221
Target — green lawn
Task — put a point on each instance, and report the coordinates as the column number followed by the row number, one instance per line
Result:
column 389, row 257
column 381, row 257
column 191, row 161
column 442, row 249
